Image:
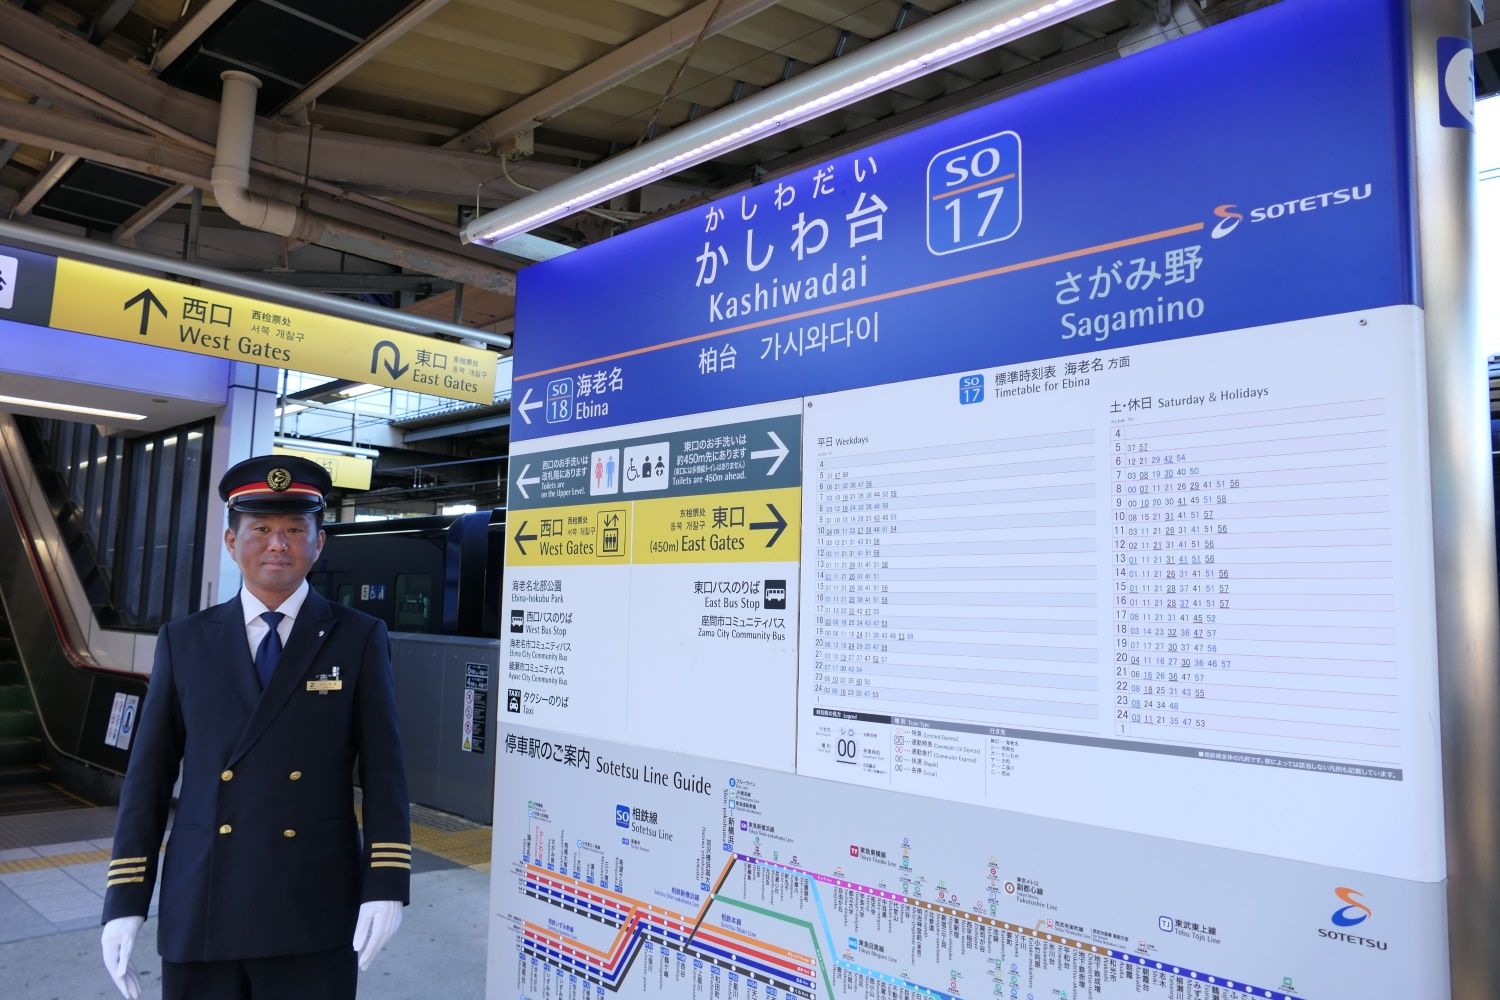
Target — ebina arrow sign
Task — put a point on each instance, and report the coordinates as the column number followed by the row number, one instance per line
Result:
column 147, row 300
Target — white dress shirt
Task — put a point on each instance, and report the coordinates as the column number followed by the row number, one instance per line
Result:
column 256, row 627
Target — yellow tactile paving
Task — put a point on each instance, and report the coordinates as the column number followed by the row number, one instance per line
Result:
column 470, row 848
column 55, row 861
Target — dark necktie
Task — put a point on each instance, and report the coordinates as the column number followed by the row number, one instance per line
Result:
column 269, row 652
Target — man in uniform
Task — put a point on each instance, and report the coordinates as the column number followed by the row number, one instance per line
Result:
column 268, row 702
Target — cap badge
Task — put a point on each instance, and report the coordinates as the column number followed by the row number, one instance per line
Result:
column 278, row 480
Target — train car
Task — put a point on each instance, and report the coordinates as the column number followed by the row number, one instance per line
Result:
column 435, row 575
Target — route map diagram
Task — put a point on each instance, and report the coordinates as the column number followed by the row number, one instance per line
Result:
column 710, row 880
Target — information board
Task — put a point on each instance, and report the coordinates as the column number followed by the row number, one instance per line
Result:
column 103, row 301
column 1190, row 551
column 1080, row 433
column 1182, row 191
column 625, row 871
column 651, row 580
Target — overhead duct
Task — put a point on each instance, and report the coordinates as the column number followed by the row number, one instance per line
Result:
column 231, row 184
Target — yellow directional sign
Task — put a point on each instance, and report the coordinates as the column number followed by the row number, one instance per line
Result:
column 752, row 526
column 348, row 472
column 584, row 535
column 105, row 302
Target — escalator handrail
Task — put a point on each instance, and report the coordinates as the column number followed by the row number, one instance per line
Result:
column 79, row 659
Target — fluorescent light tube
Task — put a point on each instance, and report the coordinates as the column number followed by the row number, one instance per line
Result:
column 88, row 411
column 939, row 41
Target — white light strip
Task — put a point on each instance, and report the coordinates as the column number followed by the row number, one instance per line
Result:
column 939, row 41
column 304, row 444
column 88, row 411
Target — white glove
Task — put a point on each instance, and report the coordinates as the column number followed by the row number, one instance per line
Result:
column 378, row 920
column 117, row 942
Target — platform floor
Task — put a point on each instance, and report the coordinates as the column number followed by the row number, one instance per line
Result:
column 52, row 873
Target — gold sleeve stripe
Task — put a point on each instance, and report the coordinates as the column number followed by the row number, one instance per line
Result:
column 127, row 861
column 124, row 881
column 397, row 855
column 379, row 845
column 390, row 864
column 136, row 870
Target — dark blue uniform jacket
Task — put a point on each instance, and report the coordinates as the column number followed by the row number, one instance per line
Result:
column 265, row 857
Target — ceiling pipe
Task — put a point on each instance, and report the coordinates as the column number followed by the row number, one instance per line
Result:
column 231, row 184
column 97, row 99
column 270, row 291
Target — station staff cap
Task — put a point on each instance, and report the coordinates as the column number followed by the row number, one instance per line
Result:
column 276, row 484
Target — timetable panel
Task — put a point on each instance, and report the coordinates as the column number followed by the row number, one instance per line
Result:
column 1155, row 550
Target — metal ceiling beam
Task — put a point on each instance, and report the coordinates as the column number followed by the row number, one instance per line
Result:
column 158, row 207
column 1096, row 52
column 9, row 147
column 622, row 63
column 148, row 155
column 372, row 47
column 492, row 422
column 188, row 30
column 139, row 260
column 99, row 79
column 46, row 181
column 94, row 140
column 108, row 19
column 358, row 281
column 33, row 126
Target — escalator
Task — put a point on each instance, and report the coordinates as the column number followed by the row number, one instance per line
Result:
column 27, row 783
column 68, row 698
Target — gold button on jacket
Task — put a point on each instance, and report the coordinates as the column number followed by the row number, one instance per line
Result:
column 226, row 828
column 295, row 775
column 289, row 833
column 226, row 776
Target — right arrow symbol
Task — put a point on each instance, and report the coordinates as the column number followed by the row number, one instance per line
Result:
column 147, row 300
column 779, row 524
column 779, row 453
column 521, row 536
column 522, row 482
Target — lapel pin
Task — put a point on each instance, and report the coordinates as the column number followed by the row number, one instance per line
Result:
column 320, row 633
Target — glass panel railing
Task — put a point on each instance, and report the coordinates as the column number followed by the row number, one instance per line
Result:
column 132, row 513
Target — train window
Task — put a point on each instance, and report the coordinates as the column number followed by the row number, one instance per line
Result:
column 346, row 594
column 413, row 602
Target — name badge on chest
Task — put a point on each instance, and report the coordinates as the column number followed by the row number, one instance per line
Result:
column 324, row 683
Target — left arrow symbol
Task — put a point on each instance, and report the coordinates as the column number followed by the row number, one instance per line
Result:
column 147, row 300
column 522, row 537
column 527, row 405
column 522, row 482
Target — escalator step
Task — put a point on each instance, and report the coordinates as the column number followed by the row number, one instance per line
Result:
column 40, row 797
column 13, row 695
column 23, row 774
column 20, row 750
column 18, row 722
